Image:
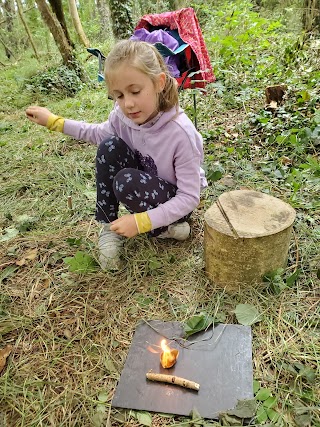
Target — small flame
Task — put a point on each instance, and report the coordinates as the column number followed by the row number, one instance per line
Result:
column 164, row 346
column 169, row 356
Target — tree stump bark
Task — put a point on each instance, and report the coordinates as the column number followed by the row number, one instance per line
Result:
column 275, row 93
column 247, row 234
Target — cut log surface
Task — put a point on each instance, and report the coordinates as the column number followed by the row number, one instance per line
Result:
column 247, row 234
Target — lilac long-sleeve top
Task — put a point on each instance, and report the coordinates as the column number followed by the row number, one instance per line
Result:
column 169, row 142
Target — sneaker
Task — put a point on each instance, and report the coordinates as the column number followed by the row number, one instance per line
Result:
column 110, row 244
column 179, row 231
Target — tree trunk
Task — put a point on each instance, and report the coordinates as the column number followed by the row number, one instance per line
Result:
column 59, row 36
column 121, row 16
column 77, row 23
column 57, row 8
column 104, row 16
column 9, row 12
column 8, row 52
column 24, row 22
column 311, row 15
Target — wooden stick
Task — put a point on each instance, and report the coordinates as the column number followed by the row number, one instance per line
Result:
column 171, row 379
column 70, row 207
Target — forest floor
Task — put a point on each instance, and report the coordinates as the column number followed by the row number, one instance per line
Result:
column 71, row 325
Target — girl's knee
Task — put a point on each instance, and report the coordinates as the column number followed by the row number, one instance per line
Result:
column 110, row 146
column 125, row 183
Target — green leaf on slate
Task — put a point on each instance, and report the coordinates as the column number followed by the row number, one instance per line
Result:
column 197, row 323
column 247, row 314
column 144, row 418
column 81, row 263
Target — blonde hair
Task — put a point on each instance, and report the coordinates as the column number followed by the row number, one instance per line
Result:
column 145, row 58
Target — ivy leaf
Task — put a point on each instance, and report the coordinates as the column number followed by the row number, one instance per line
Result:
column 73, row 241
column 214, row 172
column 197, row 323
column 290, row 281
column 7, row 272
column 247, row 314
column 9, row 234
column 154, row 264
column 245, row 408
column 81, row 263
column 26, row 222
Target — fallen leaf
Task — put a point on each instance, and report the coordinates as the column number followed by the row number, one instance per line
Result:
column 247, row 314
column 286, row 160
column 144, row 418
column 7, row 272
column 67, row 333
column 9, row 233
column 46, row 283
column 20, row 262
column 32, row 254
column 4, row 354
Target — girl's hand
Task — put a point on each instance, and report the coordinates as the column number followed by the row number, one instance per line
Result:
column 125, row 226
column 38, row 115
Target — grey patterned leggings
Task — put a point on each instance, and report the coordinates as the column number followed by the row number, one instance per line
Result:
column 127, row 177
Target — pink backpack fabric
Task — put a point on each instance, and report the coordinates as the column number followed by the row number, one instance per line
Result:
column 186, row 22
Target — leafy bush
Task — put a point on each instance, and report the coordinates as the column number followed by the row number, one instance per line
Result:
column 59, row 81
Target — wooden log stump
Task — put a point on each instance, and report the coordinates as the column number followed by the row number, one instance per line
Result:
column 247, row 234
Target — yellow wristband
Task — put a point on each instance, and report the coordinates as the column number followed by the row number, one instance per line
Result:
column 143, row 222
column 55, row 123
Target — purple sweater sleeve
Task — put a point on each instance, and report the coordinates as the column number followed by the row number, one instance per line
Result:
column 94, row 133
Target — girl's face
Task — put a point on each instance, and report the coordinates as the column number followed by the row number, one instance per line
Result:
column 135, row 93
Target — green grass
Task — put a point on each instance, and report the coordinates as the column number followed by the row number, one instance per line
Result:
column 71, row 332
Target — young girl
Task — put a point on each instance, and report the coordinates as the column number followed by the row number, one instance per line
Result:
column 149, row 153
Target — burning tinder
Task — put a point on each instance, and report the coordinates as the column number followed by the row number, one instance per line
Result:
column 168, row 356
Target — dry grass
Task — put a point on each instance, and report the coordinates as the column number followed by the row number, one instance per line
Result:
column 71, row 332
